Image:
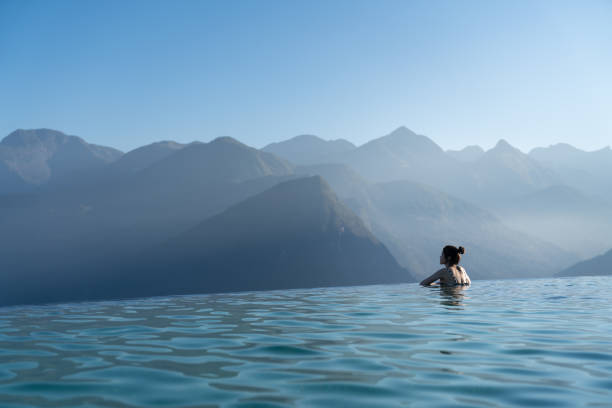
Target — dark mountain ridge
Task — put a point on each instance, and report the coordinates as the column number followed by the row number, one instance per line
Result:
column 295, row 234
column 415, row 221
column 133, row 211
column 597, row 266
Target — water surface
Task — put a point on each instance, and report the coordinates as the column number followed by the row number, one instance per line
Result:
column 499, row 343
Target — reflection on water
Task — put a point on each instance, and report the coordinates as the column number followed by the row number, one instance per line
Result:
column 452, row 295
column 535, row 342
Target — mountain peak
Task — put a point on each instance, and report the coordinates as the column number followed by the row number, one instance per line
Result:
column 25, row 137
column 504, row 147
column 404, row 138
column 39, row 156
column 402, row 131
column 308, row 137
column 226, row 140
column 502, row 144
column 309, row 149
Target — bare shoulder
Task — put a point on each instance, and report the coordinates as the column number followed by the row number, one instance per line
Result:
column 434, row 277
column 441, row 272
column 465, row 275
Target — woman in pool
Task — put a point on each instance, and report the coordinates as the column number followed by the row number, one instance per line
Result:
column 452, row 274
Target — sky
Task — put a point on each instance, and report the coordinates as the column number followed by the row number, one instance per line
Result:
column 129, row 73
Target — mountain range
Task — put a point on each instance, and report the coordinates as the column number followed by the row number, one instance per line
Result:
column 31, row 158
column 597, row 266
column 502, row 180
column 415, row 221
column 294, row 234
column 162, row 218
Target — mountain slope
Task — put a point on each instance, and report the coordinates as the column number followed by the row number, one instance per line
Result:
column 309, row 149
column 564, row 216
column 599, row 265
column 415, row 221
column 223, row 159
column 41, row 156
column 467, row 154
column 295, row 234
column 129, row 212
column 505, row 171
column 586, row 171
column 144, row 156
column 402, row 154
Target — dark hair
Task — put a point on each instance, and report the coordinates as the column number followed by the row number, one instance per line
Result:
column 453, row 254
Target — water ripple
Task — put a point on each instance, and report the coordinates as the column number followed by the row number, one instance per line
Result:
column 524, row 343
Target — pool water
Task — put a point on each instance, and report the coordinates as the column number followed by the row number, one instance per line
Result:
column 538, row 342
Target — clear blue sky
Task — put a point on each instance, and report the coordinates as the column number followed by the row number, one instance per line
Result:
column 127, row 73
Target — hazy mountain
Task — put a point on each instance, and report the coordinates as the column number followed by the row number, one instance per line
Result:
column 556, row 199
column 296, row 234
column 164, row 189
column 415, row 221
column 142, row 157
column 223, row 159
column 402, row 154
column 568, row 155
column 129, row 212
column 500, row 173
column 600, row 265
column 40, row 156
column 467, row 154
column 586, row 171
column 124, row 167
column 344, row 180
column 10, row 181
column 503, row 172
column 309, row 149
column 564, row 216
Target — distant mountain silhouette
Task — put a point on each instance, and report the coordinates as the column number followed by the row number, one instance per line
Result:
column 402, row 154
column 500, row 173
column 415, row 221
column 296, row 234
column 142, row 157
column 30, row 158
column 408, row 192
column 586, row 171
column 566, row 154
column 504, row 171
column 345, row 181
column 556, row 199
column 83, row 225
column 599, row 265
column 224, row 159
column 564, row 216
column 309, row 149
column 467, row 154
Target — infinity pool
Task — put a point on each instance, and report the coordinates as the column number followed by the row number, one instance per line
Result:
column 499, row 343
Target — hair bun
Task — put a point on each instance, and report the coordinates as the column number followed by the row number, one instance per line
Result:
column 461, row 250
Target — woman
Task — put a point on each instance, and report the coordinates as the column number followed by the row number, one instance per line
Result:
column 452, row 274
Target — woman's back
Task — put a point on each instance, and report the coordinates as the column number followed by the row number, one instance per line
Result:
column 454, row 275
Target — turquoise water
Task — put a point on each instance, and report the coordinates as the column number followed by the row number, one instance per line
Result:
column 499, row 343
